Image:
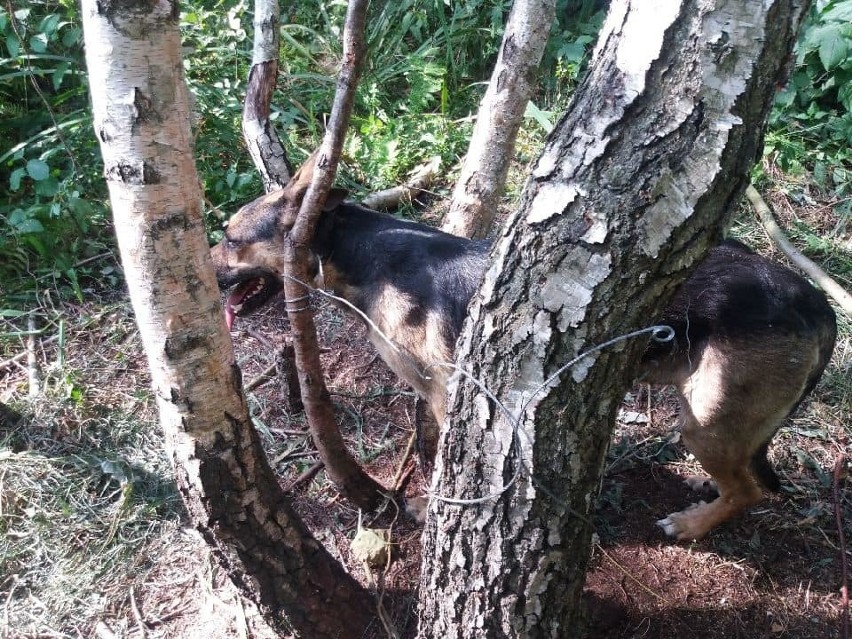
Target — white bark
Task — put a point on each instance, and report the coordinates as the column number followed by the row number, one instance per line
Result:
column 492, row 144
column 141, row 115
column 261, row 138
column 635, row 182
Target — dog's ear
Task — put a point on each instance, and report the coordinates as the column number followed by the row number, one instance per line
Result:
column 335, row 198
column 301, row 179
column 289, row 199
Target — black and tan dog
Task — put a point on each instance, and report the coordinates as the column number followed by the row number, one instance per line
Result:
column 752, row 337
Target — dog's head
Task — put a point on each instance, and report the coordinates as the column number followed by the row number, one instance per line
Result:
column 250, row 258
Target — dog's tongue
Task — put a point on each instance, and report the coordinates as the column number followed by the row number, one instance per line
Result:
column 236, row 299
column 229, row 314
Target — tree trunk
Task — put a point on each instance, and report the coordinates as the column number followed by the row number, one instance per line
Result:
column 141, row 113
column 259, row 132
column 492, row 145
column 634, row 184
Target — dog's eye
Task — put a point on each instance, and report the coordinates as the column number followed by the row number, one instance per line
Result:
column 232, row 245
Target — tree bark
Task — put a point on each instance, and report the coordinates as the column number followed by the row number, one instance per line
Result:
column 259, row 132
column 341, row 467
column 141, row 113
column 492, row 144
column 634, row 184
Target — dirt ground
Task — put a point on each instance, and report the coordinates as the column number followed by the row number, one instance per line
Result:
column 774, row 572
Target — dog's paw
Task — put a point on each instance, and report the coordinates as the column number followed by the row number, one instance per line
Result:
column 416, row 507
column 682, row 525
column 701, row 484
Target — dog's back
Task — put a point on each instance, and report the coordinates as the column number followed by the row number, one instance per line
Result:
column 412, row 281
column 752, row 339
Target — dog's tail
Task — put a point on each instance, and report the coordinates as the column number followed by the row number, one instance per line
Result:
column 763, row 471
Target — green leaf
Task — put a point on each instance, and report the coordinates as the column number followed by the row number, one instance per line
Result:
column 832, row 48
column 844, row 96
column 71, row 37
column 30, row 225
column 841, row 12
column 543, row 118
column 59, row 74
column 16, row 177
column 48, row 187
column 13, row 45
column 38, row 170
column 38, row 43
column 48, row 24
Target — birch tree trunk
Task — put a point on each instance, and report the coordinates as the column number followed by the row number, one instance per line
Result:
column 636, row 181
column 259, row 132
column 492, row 144
column 141, row 111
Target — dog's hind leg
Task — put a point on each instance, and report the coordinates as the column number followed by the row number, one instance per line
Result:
column 732, row 403
column 732, row 479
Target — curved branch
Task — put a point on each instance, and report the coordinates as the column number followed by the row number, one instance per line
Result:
column 820, row 277
column 342, row 469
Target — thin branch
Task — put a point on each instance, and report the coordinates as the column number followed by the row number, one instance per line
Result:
column 839, row 475
column 822, row 279
column 341, row 467
column 306, row 476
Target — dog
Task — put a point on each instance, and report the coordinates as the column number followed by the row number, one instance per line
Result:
column 752, row 337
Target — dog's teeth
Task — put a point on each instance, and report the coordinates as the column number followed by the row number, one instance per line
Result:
column 257, row 289
column 237, row 308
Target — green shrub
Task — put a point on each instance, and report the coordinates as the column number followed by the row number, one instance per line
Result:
column 811, row 126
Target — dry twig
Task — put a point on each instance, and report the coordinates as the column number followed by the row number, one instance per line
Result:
column 822, row 279
column 839, row 476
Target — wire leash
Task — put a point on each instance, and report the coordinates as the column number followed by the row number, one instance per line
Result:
column 661, row 333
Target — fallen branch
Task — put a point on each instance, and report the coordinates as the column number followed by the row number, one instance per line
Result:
column 820, row 277
column 391, row 198
column 839, row 476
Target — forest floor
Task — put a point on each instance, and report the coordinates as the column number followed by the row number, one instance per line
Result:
column 94, row 541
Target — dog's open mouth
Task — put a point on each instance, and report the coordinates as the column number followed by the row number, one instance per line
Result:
column 249, row 296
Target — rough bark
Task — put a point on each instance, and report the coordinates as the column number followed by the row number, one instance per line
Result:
column 141, row 114
column 259, row 132
column 492, row 145
column 634, row 184
column 352, row 481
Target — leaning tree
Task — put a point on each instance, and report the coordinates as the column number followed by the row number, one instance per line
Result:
column 634, row 184
column 142, row 121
